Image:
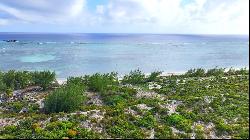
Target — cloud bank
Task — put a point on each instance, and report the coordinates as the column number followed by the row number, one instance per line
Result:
column 136, row 16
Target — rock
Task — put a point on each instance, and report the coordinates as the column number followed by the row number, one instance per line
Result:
column 152, row 134
column 40, row 103
column 172, row 106
column 131, row 111
column 154, row 86
column 79, row 113
column 7, row 121
column 145, row 94
column 94, row 99
column 143, row 107
column 11, row 40
column 24, row 110
column 63, row 119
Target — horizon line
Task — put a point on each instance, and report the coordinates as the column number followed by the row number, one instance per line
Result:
column 119, row 33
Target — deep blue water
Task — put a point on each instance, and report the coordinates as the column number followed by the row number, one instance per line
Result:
column 78, row 54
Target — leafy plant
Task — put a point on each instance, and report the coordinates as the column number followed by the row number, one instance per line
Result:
column 65, row 99
column 9, row 79
column 196, row 72
column 164, row 132
column 3, row 86
column 100, row 82
column 153, row 76
column 44, row 78
column 215, row 72
column 179, row 121
column 135, row 77
column 147, row 121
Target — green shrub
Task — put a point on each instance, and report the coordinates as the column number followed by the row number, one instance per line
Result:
column 16, row 106
column 147, row 121
column 100, row 82
column 33, row 108
column 199, row 131
column 9, row 92
column 221, row 127
column 3, row 86
column 16, row 80
column 59, row 125
column 179, row 122
column 65, row 99
column 22, row 79
column 153, row 76
column 121, row 127
column 242, row 134
column 135, row 77
column 242, row 71
column 88, row 134
column 26, row 123
column 76, row 80
column 44, row 78
column 215, row 72
column 114, row 100
column 164, row 132
column 9, row 79
column 196, row 73
column 10, row 129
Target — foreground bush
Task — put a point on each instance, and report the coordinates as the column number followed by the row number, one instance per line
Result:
column 65, row 99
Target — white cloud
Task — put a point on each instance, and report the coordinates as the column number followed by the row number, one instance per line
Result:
column 161, row 16
column 43, row 11
column 200, row 16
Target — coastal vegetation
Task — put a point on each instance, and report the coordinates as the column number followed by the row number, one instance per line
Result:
column 201, row 104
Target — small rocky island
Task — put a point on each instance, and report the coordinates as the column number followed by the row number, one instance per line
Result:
column 12, row 40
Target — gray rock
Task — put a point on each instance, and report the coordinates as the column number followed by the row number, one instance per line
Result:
column 24, row 110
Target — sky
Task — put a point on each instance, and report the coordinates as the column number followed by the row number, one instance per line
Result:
column 125, row 16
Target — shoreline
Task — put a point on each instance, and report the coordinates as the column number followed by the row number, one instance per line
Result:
column 164, row 73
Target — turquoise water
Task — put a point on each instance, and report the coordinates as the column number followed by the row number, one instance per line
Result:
column 35, row 58
column 78, row 54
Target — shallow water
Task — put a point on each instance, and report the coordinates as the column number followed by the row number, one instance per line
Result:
column 78, row 54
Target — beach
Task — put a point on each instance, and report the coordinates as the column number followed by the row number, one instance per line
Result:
column 62, row 81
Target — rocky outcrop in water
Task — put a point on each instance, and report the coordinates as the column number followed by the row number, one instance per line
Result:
column 11, row 40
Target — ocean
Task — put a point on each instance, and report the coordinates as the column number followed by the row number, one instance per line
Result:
column 79, row 54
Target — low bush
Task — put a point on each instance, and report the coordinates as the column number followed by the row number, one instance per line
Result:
column 164, row 132
column 179, row 122
column 215, row 72
column 14, row 80
column 3, row 86
column 121, row 127
column 135, row 77
column 196, row 73
column 44, row 78
column 147, row 121
column 153, row 76
column 100, row 82
column 88, row 134
column 65, row 99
